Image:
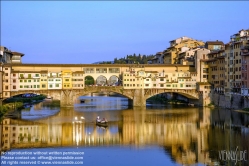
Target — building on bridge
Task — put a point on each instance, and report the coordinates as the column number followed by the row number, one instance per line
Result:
column 137, row 82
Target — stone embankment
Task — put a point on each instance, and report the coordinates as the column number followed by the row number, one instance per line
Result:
column 236, row 101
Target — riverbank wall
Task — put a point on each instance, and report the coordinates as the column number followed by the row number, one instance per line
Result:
column 234, row 101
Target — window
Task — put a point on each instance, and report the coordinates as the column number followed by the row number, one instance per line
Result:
column 29, row 75
column 66, row 79
column 14, row 75
column 34, row 86
column 161, row 85
column 43, row 85
column 14, row 87
column 38, row 86
column 57, row 85
column 37, row 75
column 25, row 80
column 51, row 86
column 6, row 74
column 6, row 87
column 21, row 86
column 161, row 79
column 29, row 80
column 6, row 68
column 14, row 80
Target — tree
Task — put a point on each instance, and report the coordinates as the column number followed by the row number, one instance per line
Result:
column 89, row 80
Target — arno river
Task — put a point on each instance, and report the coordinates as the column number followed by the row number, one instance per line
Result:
column 156, row 135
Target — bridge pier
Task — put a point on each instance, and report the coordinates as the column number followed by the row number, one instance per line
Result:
column 67, row 98
column 139, row 100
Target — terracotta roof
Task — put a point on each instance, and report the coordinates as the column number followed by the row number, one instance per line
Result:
column 215, row 42
column 17, row 53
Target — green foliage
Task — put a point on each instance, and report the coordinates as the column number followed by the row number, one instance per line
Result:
column 53, row 104
column 89, row 80
column 25, row 99
column 211, row 104
column 246, row 109
column 3, row 110
column 9, row 106
column 133, row 59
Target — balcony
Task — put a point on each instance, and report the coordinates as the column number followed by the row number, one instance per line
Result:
column 244, row 47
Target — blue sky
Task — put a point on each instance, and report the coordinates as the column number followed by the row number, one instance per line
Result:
column 91, row 31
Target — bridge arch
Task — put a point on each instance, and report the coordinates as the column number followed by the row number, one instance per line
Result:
column 190, row 94
column 115, row 89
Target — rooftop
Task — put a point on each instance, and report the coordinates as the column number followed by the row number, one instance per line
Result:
column 215, row 42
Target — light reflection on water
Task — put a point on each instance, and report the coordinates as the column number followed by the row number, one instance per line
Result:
column 169, row 135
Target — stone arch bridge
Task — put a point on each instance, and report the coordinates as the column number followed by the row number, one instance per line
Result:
column 138, row 96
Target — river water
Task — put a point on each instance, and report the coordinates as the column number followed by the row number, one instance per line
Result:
column 46, row 134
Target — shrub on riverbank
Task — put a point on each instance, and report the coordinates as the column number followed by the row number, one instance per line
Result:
column 3, row 110
column 9, row 107
column 52, row 104
column 246, row 109
column 25, row 99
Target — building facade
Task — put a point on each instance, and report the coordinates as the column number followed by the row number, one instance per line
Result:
column 177, row 46
column 234, row 62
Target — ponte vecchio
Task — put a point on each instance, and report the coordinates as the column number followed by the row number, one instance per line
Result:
column 138, row 82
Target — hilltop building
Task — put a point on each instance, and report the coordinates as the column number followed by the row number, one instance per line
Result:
column 177, row 46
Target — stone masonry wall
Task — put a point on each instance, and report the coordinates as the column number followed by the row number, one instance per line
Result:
column 233, row 102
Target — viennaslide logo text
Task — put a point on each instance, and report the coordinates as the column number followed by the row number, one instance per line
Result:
column 233, row 155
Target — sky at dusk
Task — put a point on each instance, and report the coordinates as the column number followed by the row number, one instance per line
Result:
column 92, row 31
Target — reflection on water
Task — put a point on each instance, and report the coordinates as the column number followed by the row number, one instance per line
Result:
column 101, row 103
column 187, row 135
